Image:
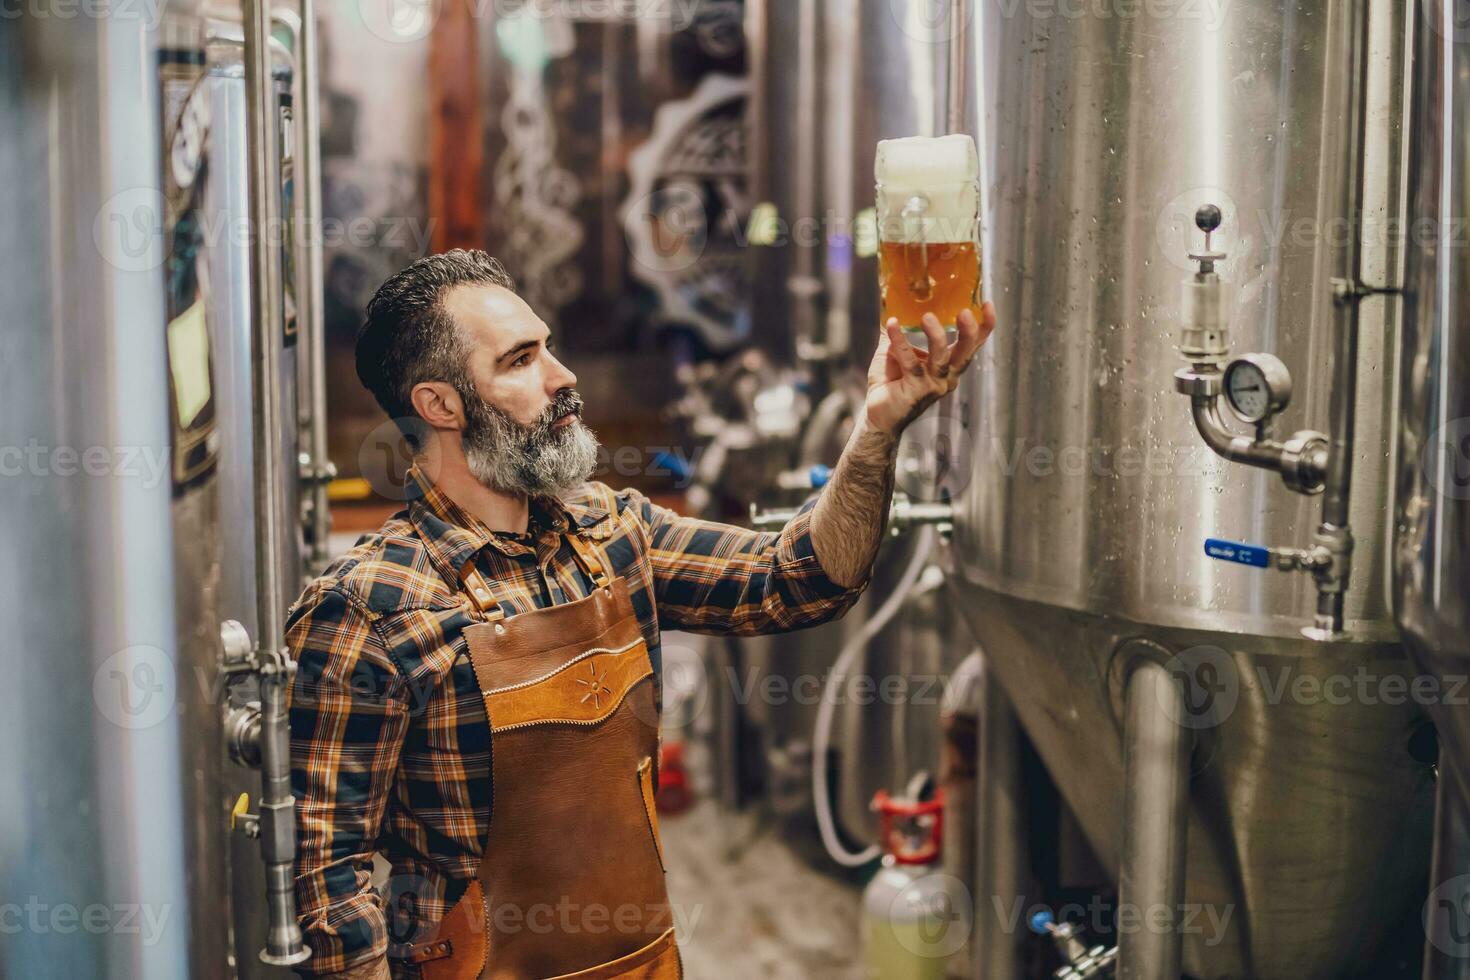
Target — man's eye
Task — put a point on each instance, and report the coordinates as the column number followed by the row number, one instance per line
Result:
column 521, row 361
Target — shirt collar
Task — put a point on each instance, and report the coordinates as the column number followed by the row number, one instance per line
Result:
column 453, row 535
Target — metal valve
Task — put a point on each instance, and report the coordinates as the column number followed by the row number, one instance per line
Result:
column 1256, row 389
column 1079, row 961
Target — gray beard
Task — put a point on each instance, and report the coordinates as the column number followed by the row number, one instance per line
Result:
column 536, row 460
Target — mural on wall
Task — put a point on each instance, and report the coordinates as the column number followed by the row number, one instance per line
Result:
column 570, row 95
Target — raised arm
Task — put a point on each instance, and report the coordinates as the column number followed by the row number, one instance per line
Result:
column 713, row 577
column 903, row 381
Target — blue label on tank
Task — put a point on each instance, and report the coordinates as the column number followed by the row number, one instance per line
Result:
column 1241, row 554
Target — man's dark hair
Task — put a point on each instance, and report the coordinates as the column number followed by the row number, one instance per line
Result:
column 408, row 336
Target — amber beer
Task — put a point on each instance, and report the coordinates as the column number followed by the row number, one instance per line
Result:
column 928, row 204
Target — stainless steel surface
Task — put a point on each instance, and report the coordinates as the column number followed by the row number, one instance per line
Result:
column 1001, row 848
column 92, row 782
column 1093, row 175
column 1156, row 750
column 227, row 205
column 1091, row 495
column 1447, row 952
column 1432, row 546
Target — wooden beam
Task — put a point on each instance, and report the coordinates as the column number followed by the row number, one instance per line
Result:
column 456, row 133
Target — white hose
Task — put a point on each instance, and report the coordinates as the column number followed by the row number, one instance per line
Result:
column 822, row 736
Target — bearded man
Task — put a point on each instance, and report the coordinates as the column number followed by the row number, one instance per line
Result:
column 477, row 685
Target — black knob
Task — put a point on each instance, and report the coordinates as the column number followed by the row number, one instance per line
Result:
column 1208, row 218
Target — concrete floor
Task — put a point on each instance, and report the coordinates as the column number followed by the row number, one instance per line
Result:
column 746, row 905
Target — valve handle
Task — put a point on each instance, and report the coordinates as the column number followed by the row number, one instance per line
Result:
column 1238, row 552
column 1041, row 921
column 240, row 809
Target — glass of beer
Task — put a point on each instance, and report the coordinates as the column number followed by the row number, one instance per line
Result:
column 928, row 230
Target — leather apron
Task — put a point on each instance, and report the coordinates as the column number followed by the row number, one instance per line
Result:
column 571, row 884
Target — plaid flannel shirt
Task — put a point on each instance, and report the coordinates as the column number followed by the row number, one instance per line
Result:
column 390, row 747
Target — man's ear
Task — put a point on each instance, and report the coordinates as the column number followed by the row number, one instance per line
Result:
column 438, row 404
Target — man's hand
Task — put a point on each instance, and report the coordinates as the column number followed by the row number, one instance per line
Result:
column 903, row 380
column 847, row 523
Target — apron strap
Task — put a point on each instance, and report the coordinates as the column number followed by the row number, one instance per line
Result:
column 480, row 593
column 590, row 557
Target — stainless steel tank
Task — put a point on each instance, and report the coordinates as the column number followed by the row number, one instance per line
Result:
column 1079, row 536
column 1432, row 545
column 99, row 692
column 226, row 206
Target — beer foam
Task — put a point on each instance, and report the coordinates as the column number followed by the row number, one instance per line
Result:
column 944, row 171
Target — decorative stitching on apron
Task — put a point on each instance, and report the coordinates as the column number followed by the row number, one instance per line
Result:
column 589, row 723
column 570, row 663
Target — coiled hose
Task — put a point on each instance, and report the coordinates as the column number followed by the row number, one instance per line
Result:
column 822, row 735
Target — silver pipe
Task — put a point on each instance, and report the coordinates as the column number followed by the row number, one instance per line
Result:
column 1334, row 533
column 277, row 806
column 959, row 52
column 1449, row 885
column 266, row 300
column 803, row 285
column 1155, row 821
column 311, row 296
column 1000, row 849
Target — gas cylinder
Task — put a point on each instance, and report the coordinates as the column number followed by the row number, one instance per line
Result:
column 915, row 917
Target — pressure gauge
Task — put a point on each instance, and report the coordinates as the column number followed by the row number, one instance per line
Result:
column 1257, row 386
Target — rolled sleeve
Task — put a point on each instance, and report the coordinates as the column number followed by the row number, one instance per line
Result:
column 720, row 578
column 348, row 716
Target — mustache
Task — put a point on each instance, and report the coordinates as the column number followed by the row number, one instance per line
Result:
column 566, row 402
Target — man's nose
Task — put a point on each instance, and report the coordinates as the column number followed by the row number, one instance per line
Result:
column 561, row 378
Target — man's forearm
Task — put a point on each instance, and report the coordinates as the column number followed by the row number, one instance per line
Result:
column 847, row 523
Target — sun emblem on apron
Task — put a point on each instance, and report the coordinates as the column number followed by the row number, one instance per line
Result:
column 595, row 687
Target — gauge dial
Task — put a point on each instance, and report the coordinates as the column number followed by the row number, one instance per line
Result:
column 1257, row 387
